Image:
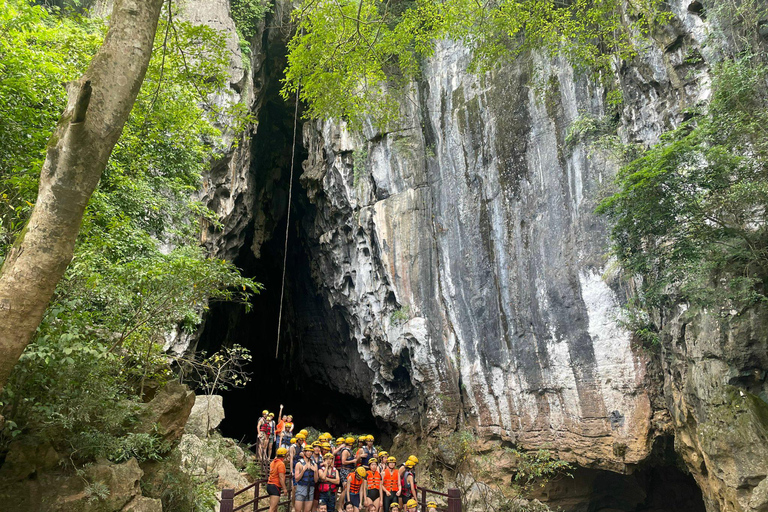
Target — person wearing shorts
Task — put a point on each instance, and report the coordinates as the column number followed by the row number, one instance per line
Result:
column 390, row 484
column 276, row 480
column 356, row 487
column 305, row 474
column 328, row 482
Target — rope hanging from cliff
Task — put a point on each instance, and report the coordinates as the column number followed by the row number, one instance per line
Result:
column 287, row 221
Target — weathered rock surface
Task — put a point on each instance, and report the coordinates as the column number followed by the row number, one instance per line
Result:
column 168, row 411
column 206, row 415
column 462, row 276
column 715, row 387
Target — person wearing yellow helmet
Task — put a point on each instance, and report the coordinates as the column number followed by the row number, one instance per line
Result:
column 357, row 487
column 367, row 452
column 394, row 507
column 276, row 481
column 431, row 505
column 374, row 484
column 304, row 432
column 411, row 458
column 305, row 475
column 348, row 462
column 262, row 427
column 328, row 482
column 390, row 483
column 408, row 481
column 383, row 456
column 411, row 505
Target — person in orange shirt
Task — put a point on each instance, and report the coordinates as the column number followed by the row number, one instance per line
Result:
column 356, row 487
column 390, row 484
column 276, row 481
column 374, row 484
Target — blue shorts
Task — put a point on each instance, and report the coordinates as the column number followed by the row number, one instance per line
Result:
column 354, row 499
column 305, row 492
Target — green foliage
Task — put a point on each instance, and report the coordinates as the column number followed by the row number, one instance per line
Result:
column 690, row 213
column 352, row 59
column 138, row 271
column 220, row 371
column 537, row 468
column 247, row 14
column 177, row 489
column 401, row 314
column 38, row 53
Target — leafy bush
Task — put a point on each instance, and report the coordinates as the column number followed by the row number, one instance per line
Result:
column 690, row 213
column 138, row 271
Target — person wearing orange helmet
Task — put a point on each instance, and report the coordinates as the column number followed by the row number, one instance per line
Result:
column 276, row 481
column 357, row 487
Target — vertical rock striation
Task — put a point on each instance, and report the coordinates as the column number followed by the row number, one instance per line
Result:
column 460, row 278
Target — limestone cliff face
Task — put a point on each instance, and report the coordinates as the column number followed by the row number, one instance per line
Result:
column 460, row 278
column 463, row 250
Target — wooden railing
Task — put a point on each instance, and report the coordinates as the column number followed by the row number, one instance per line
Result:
column 228, row 495
column 453, row 497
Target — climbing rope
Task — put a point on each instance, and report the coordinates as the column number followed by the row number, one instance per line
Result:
column 287, row 221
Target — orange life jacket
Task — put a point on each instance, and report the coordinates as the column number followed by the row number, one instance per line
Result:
column 374, row 480
column 391, row 478
column 354, row 483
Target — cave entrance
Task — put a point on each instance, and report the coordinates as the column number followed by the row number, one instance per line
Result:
column 312, row 333
column 659, row 485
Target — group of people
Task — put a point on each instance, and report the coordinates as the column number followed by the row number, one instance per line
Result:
column 347, row 474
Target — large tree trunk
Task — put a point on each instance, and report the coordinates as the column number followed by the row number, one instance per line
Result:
column 98, row 107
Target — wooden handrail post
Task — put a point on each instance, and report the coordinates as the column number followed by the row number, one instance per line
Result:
column 454, row 500
column 227, row 500
column 423, row 498
column 256, row 496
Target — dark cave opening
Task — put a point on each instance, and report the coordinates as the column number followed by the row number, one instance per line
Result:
column 309, row 327
column 658, row 485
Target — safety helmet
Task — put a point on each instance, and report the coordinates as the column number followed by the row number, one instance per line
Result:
column 361, row 472
column 394, row 505
column 301, row 435
column 307, row 448
column 326, row 446
column 409, row 464
column 327, row 435
column 349, row 440
column 362, row 439
column 431, row 504
column 293, row 440
column 316, row 443
column 281, row 451
column 412, row 503
column 304, row 431
column 371, row 461
column 414, row 458
column 264, row 412
column 271, row 415
column 340, row 440
column 328, row 455
column 383, row 455
column 391, row 459
column 370, row 438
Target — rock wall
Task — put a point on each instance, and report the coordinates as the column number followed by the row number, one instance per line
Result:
column 462, row 248
column 460, row 279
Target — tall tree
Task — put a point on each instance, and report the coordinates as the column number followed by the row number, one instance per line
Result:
column 98, row 107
